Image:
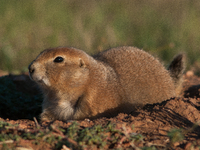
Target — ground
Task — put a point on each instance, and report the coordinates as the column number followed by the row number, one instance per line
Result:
column 172, row 124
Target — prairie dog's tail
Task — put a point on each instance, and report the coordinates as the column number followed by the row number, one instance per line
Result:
column 176, row 69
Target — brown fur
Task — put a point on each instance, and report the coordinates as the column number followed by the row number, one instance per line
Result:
column 117, row 80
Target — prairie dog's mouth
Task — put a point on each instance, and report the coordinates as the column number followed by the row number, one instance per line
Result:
column 45, row 81
column 41, row 80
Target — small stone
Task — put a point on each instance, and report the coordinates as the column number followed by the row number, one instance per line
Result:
column 188, row 145
column 189, row 73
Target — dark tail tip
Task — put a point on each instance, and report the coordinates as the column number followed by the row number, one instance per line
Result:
column 176, row 70
column 177, row 66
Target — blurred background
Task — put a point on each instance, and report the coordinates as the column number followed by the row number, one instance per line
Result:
column 163, row 28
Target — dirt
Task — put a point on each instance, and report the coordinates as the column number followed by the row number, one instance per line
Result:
column 154, row 123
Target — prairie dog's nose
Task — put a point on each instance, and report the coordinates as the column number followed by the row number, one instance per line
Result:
column 31, row 68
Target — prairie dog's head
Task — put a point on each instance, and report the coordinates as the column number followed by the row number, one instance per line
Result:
column 60, row 68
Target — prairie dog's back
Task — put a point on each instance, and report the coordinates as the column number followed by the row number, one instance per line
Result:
column 142, row 77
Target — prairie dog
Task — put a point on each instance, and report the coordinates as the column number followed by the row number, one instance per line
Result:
column 77, row 86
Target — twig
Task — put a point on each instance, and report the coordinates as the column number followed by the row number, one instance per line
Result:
column 63, row 137
column 7, row 142
column 36, row 122
column 23, row 148
column 56, row 130
column 66, row 138
column 64, row 147
column 152, row 144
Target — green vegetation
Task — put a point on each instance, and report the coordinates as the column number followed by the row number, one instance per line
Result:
column 164, row 28
column 5, row 137
column 74, row 136
column 107, row 136
column 176, row 135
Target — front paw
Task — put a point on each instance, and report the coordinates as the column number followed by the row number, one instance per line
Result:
column 45, row 116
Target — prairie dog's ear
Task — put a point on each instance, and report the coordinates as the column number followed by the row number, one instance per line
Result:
column 81, row 63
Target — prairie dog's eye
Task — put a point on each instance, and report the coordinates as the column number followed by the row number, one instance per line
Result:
column 58, row 59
